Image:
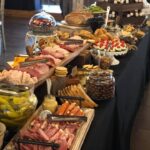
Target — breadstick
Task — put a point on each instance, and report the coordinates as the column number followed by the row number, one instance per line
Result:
column 69, row 109
column 93, row 104
column 61, row 110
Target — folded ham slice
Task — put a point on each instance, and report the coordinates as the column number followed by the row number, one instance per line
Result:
column 70, row 47
column 54, row 54
column 56, row 60
column 55, row 51
column 37, row 70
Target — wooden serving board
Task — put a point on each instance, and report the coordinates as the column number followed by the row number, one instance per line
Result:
column 80, row 136
column 63, row 63
column 82, row 132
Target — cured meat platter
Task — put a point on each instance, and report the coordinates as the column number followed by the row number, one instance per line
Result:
column 38, row 73
column 79, row 136
column 64, row 62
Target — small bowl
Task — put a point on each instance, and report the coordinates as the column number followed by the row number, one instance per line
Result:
column 105, row 62
column 2, row 133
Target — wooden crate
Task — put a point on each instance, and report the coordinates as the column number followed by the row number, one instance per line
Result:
column 132, row 20
column 121, row 7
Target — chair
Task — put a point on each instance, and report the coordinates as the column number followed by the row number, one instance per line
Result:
column 3, row 42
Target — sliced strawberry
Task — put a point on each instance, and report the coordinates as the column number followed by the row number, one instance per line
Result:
column 122, row 41
column 101, row 45
column 123, row 44
column 116, row 45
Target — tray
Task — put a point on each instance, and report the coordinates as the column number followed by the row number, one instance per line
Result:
column 63, row 22
column 81, row 133
column 64, row 62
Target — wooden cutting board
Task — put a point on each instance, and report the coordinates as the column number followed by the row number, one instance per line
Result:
column 80, row 136
column 63, row 63
column 82, row 132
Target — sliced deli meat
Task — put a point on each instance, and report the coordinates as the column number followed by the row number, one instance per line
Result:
column 62, row 133
column 17, row 77
column 70, row 47
column 37, row 70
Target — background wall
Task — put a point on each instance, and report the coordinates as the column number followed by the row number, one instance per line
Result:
column 23, row 4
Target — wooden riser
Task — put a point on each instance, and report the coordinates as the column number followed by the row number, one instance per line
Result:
column 132, row 20
column 121, row 7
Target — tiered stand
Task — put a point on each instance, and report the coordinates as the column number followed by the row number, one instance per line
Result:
column 120, row 9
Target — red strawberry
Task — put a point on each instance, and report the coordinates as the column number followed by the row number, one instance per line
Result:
column 116, row 45
column 101, row 44
column 122, row 44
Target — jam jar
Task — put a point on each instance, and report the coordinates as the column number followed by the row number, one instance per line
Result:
column 100, row 85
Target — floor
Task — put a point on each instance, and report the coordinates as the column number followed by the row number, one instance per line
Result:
column 16, row 29
column 140, row 139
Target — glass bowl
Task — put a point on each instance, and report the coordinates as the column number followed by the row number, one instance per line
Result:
column 17, row 103
column 42, row 23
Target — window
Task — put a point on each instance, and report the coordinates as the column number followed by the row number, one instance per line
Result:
column 51, row 6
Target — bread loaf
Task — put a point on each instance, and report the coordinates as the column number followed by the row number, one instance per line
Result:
column 78, row 18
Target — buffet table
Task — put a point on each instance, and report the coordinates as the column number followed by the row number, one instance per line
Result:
column 113, row 120
column 130, row 89
column 112, row 124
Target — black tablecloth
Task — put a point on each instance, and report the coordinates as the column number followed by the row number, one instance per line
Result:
column 130, row 89
column 113, row 120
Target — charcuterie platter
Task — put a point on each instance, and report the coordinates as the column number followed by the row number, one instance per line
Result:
column 41, row 70
column 79, row 136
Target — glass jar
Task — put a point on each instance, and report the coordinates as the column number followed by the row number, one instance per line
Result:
column 17, row 103
column 100, row 85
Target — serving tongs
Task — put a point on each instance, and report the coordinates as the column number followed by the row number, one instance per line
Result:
column 32, row 62
column 73, row 41
column 63, row 118
column 10, row 89
column 19, row 141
